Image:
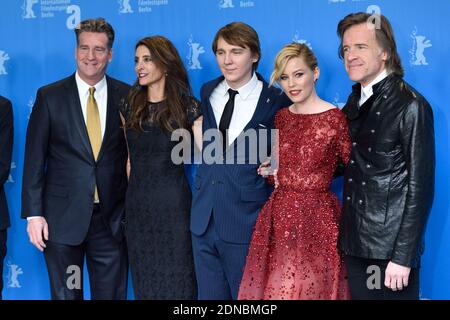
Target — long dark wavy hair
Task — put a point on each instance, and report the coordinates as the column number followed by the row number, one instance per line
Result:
column 171, row 114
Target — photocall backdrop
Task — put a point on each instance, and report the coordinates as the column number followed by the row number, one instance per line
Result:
column 37, row 47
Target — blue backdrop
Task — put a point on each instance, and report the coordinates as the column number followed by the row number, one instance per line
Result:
column 37, row 47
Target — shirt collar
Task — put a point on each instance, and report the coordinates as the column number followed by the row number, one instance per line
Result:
column 244, row 91
column 367, row 91
column 83, row 87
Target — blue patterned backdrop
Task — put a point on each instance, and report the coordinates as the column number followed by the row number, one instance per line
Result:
column 37, row 47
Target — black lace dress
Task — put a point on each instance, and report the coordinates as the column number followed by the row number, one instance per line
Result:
column 158, row 203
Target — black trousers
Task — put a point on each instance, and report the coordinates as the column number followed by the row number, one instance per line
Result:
column 106, row 261
column 2, row 257
column 364, row 284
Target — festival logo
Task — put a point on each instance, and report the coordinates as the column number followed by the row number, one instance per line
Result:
column 3, row 58
column 225, row 4
column 420, row 43
column 125, row 6
column 337, row 102
column 228, row 4
column 12, row 276
column 297, row 39
column 195, row 50
column 10, row 178
column 27, row 9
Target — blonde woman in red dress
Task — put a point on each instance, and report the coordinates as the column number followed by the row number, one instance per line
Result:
column 293, row 252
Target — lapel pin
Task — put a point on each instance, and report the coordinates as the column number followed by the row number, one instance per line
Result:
column 268, row 100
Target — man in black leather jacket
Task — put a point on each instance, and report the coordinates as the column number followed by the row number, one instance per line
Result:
column 389, row 181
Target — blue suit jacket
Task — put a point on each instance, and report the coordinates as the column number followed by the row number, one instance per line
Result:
column 233, row 193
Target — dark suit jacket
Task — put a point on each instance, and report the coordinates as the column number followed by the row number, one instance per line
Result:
column 233, row 193
column 60, row 172
column 6, row 143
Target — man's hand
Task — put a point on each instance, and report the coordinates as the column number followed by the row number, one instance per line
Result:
column 265, row 170
column 36, row 228
column 396, row 276
column 198, row 133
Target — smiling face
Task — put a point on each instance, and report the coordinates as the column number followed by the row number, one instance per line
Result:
column 297, row 80
column 147, row 71
column 92, row 56
column 364, row 59
column 235, row 62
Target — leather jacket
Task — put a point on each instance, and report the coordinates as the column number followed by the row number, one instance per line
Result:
column 389, row 180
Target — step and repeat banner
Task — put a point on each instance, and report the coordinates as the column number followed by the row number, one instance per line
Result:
column 37, row 44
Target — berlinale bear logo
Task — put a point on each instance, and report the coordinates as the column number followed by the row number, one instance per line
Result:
column 125, row 6
column 195, row 50
column 3, row 58
column 13, row 273
column 417, row 52
column 27, row 8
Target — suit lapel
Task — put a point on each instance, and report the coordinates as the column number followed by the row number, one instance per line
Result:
column 110, row 115
column 210, row 115
column 76, row 115
column 262, row 107
column 209, row 111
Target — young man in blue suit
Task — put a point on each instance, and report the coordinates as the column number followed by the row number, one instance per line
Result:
column 227, row 197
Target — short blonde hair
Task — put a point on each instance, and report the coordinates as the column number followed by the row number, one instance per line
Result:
column 292, row 50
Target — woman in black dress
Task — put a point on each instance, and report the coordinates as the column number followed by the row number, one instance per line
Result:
column 158, row 199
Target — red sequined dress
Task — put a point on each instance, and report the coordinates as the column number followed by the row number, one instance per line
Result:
column 293, row 252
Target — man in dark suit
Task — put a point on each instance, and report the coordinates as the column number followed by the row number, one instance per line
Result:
column 74, row 177
column 6, row 143
column 227, row 197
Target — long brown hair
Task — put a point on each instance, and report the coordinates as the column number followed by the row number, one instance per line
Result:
column 177, row 89
column 384, row 35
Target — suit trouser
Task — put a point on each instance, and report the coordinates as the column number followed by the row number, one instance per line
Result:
column 364, row 285
column 106, row 261
column 2, row 257
column 219, row 265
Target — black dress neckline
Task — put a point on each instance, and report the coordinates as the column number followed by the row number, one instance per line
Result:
column 151, row 103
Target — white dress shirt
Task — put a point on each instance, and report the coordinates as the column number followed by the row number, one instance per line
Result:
column 367, row 92
column 100, row 95
column 244, row 104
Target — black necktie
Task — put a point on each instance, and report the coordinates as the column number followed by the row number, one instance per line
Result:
column 226, row 116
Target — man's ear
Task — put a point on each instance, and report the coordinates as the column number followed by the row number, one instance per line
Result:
column 255, row 58
column 384, row 55
column 110, row 55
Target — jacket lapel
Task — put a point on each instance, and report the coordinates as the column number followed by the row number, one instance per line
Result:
column 262, row 107
column 76, row 115
column 208, row 110
column 210, row 116
column 110, row 115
